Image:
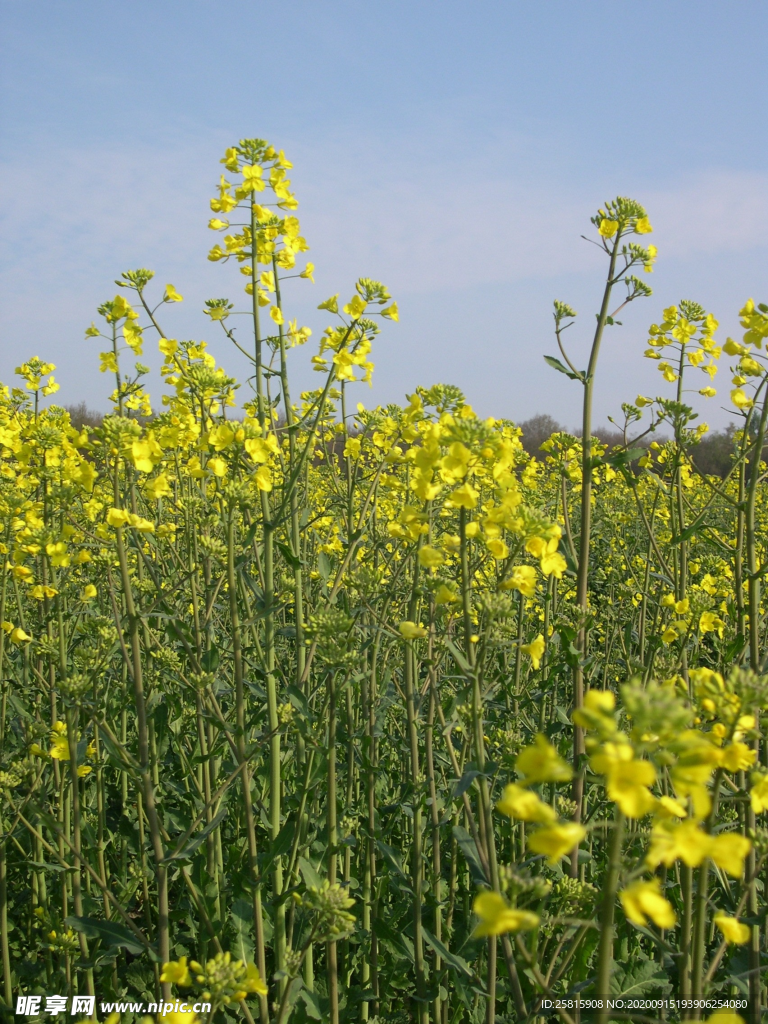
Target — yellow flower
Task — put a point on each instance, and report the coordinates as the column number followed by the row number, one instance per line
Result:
column 58, row 553
column 696, row 762
column 444, row 595
column 221, row 437
column 536, row 546
column 252, row 178
column 176, row 972
column 710, row 623
column 117, row 517
column 610, row 754
column 108, row 363
column 498, row 548
column 430, row 558
column 555, row 841
column 410, row 631
column 18, row 636
column 230, row 160
column 60, row 744
column 254, row 982
column 626, row 784
column 600, row 700
column 146, row 454
column 497, row 917
column 728, row 851
column 258, row 449
column 643, row 900
column 758, row 795
column 670, row 842
column 89, row 592
column 157, row 488
column 737, row 757
column 668, row 807
column 535, row 650
column 463, row 497
column 733, row 930
column 740, row 399
column 332, row 304
column 597, row 713
column 355, row 307
column 522, row 578
column 141, row 524
column 525, row 805
column 608, row 228
column 276, row 314
column 263, row 478
column 553, row 564
column 542, row 763
column 750, row 366
column 171, row 295
column 643, row 226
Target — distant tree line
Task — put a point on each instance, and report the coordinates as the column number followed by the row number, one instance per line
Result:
column 712, row 455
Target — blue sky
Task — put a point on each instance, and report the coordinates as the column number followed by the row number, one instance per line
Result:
column 454, row 150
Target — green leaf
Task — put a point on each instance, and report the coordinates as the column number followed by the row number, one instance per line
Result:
column 210, row 660
column 691, row 530
column 17, row 706
column 309, row 873
column 115, row 753
column 562, row 715
column 312, row 1003
column 398, row 942
column 279, row 847
column 458, row 963
column 621, row 459
column 197, row 840
column 466, row 781
column 734, row 648
column 561, row 368
column 641, row 979
column 392, row 857
column 288, row 555
column 111, row 933
column 242, row 922
column 323, row 566
column 459, row 658
column 469, row 849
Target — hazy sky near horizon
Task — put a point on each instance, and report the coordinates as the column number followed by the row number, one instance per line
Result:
column 453, row 149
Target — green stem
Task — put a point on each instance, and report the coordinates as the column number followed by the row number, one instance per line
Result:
column 607, row 914
column 582, row 575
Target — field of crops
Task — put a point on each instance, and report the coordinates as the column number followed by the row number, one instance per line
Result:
column 323, row 713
